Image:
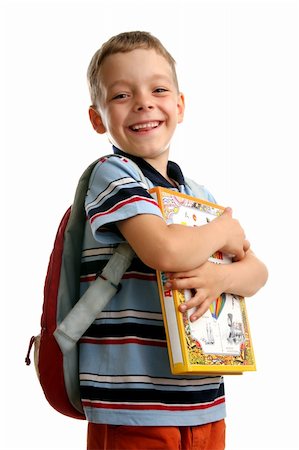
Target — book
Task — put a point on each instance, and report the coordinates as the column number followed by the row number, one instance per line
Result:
column 219, row 342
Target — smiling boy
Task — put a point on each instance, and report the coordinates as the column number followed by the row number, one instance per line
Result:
column 130, row 397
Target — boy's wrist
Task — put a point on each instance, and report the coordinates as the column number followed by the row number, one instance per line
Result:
column 226, row 277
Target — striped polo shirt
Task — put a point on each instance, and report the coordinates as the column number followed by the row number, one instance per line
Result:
column 125, row 376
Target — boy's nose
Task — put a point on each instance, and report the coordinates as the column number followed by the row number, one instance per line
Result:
column 143, row 102
column 144, row 107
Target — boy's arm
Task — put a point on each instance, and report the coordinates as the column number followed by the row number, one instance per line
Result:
column 180, row 248
column 209, row 281
column 117, row 197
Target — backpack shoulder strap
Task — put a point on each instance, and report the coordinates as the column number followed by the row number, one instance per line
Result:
column 76, row 317
column 69, row 286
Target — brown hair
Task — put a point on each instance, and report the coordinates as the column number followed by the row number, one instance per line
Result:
column 122, row 43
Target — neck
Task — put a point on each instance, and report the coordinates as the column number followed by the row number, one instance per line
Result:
column 160, row 164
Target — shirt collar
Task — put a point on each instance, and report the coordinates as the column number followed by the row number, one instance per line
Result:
column 173, row 170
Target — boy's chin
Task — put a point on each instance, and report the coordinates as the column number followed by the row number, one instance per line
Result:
column 144, row 151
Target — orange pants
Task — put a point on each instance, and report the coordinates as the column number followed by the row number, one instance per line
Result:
column 113, row 437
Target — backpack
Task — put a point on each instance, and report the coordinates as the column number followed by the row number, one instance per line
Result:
column 66, row 316
column 62, row 325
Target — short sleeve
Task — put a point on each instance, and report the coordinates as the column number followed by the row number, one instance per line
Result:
column 198, row 190
column 209, row 196
column 115, row 193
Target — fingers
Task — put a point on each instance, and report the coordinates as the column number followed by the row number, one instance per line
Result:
column 200, row 311
column 199, row 302
column 241, row 254
column 246, row 245
column 180, row 283
column 237, row 245
column 228, row 211
column 201, row 298
column 188, row 274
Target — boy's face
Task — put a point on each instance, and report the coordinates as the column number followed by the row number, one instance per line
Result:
column 140, row 106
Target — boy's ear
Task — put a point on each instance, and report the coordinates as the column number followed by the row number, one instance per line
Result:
column 181, row 107
column 96, row 120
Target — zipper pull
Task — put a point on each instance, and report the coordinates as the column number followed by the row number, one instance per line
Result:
column 27, row 359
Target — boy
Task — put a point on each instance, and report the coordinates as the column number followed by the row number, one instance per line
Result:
column 130, row 397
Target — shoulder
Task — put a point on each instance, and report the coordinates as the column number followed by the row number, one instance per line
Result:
column 114, row 167
column 199, row 190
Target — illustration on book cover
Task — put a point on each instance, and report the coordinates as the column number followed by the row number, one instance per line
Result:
column 220, row 330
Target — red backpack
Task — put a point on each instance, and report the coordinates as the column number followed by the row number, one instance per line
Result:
column 66, row 316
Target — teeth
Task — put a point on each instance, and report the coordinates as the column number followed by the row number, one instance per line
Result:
column 144, row 125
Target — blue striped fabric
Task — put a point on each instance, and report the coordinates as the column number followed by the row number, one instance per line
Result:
column 125, row 376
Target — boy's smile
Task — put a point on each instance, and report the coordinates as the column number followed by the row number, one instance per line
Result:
column 145, row 127
column 140, row 105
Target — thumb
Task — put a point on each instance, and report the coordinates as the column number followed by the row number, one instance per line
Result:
column 228, row 211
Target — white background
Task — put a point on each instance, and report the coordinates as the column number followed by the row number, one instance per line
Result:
column 237, row 63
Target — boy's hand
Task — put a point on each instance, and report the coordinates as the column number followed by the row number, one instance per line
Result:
column 207, row 282
column 236, row 245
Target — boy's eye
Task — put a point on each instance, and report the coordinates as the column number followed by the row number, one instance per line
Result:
column 160, row 90
column 119, row 96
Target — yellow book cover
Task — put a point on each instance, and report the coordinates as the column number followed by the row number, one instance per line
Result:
column 219, row 342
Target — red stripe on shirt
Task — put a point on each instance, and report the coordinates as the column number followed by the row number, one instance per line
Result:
column 134, row 199
column 122, row 341
column 157, row 406
column 126, row 276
